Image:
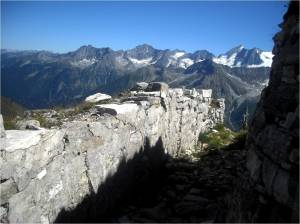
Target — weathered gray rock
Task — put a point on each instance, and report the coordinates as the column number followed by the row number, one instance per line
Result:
column 7, row 189
column 3, row 214
column 273, row 139
column 56, row 169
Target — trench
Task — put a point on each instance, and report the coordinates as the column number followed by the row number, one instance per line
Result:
column 154, row 188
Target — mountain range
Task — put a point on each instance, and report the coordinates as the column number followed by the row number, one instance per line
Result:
column 39, row 79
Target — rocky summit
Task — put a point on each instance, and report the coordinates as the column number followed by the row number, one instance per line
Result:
column 47, row 171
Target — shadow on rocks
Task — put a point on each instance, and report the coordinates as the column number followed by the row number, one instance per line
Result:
column 136, row 180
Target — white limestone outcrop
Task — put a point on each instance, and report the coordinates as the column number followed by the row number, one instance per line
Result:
column 97, row 97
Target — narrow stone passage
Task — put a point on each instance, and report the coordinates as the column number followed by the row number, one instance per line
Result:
column 190, row 191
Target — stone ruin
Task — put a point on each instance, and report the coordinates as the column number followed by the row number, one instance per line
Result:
column 45, row 171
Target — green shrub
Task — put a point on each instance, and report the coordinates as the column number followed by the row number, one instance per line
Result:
column 203, row 137
column 220, row 127
column 225, row 135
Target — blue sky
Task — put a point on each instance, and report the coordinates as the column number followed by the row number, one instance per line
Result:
column 190, row 26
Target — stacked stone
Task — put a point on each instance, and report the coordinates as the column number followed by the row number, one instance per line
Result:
column 44, row 171
column 273, row 140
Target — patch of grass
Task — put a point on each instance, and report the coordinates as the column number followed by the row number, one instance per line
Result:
column 214, row 142
column 43, row 121
column 221, row 137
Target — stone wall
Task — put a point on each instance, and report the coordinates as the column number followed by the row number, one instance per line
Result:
column 49, row 170
column 273, row 140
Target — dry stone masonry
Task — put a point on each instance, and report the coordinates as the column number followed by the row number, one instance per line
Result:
column 46, row 170
column 273, row 141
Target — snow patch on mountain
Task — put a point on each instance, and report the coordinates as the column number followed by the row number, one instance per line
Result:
column 231, row 60
column 199, row 60
column 241, row 47
column 177, row 60
column 185, row 62
column 142, row 62
column 84, row 62
column 178, row 55
column 266, row 57
column 225, row 60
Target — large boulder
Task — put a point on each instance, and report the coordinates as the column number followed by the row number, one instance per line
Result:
column 98, row 97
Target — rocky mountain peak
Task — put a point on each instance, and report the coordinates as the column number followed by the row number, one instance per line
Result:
column 206, row 67
column 86, row 48
column 141, row 52
column 202, row 54
column 234, row 50
column 86, row 51
column 144, row 47
column 241, row 57
column 90, row 52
